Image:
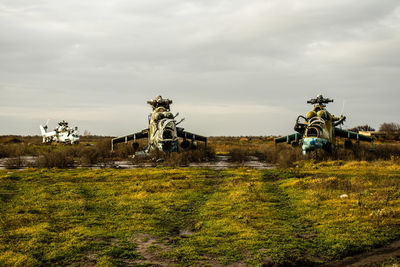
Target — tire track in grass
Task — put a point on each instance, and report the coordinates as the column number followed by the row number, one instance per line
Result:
column 292, row 236
column 247, row 219
column 175, row 216
column 207, row 241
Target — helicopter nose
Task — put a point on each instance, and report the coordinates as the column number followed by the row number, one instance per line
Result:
column 312, row 143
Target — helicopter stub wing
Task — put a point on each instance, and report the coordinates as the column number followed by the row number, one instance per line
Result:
column 352, row 135
column 139, row 135
column 187, row 135
column 288, row 138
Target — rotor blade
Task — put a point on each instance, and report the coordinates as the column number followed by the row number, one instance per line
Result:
column 344, row 101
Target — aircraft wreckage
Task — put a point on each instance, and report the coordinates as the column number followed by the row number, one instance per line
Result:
column 318, row 129
column 162, row 133
column 62, row 134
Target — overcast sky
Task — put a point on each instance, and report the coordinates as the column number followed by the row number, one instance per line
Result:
column 231, row 67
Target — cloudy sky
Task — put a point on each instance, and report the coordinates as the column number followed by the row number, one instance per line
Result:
column 231, row 67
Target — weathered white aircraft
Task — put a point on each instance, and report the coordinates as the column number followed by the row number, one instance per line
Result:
column 162, row 133
column 62, row 134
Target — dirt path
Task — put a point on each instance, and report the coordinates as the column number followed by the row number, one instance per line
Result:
column 145, row 243
column 375, row 257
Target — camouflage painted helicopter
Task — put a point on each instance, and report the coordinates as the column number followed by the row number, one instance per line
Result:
column 62, row 134
column 318, row 129
column 163, row 133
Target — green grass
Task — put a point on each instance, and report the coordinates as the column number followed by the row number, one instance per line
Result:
column 188, row 216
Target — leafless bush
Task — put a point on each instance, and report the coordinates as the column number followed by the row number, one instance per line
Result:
column 287, row 156
column 14, row 163
column 365, row 127
column 176, row 159
column 283, row 155
column 89, row 155
column 58, row 159
column 99, row 153
column 184, row 157
column 4, row 151
column 73, row 151
column 389, row 127
column 12, row 150
column 122, row 151
column 387, row 151
column 239, row 154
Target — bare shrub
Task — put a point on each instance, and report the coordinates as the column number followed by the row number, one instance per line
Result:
column 286, row 157
column 12, row 150
column 184, row 157
column 103, row 148
column 198, row 155
column 365, row 127
column 99, row 153
column 176, row 159
column 387, row 151
column 282, row 155
column 4, row 151
column 389, row 127
column 239, row 154
column 73, row 151
column 89, row 155
column 14, row 163
column 209, row 153
column 122, row 151
column 365, row 153
column 58, row 159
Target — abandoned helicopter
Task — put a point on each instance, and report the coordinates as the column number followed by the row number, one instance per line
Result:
column 163, row 133
column 317, row 130
column 62, row 134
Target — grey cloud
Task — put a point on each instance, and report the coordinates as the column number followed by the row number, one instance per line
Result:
column 62, row 55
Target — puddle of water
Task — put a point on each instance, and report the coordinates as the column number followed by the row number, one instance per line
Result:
column 27, row 161
column 221, row 162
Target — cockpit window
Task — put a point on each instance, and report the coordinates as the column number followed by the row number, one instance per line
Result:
column 313, row 132
column 167, row 135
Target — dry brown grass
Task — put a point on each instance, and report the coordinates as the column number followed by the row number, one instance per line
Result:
column 184, row 157
column 240, row 149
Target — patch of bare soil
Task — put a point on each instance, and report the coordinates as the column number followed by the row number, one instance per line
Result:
column 89, row 260
column 148, row 247
column 375, row 257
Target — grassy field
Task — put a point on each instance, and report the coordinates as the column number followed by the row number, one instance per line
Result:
column 185, row 216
